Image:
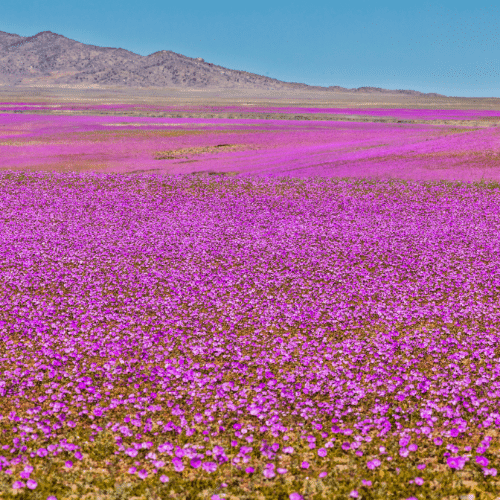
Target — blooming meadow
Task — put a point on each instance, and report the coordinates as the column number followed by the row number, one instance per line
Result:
column 248, row 337
column 261, row 147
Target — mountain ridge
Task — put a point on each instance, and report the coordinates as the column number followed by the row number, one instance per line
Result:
column 49, row 58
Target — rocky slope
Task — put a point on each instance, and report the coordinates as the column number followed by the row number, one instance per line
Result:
column 51, row 59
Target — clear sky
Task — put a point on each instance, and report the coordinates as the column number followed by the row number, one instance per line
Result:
column 451, row 47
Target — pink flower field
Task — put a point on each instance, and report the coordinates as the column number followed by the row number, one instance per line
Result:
column 110, row 143
column 321, row 324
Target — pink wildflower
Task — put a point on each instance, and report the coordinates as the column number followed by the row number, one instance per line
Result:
column 490, row 472
column 455, row 462
column 31, row 484
column 209, row 466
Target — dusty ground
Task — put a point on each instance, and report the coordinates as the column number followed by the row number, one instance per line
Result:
column 172, row 96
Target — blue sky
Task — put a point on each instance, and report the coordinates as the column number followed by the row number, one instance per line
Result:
column 449, row 47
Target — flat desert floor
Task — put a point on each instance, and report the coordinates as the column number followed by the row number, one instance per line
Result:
column 245, row 297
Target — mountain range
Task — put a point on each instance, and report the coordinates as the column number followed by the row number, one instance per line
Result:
column 49, row 59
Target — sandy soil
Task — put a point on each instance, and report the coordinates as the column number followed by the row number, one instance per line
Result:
column 171, row 96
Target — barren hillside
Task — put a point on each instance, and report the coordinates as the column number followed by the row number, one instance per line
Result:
column 51, row 59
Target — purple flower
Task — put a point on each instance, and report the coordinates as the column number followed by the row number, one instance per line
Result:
column 78, row 455
column 268, row 473
column 404, row 441
column 178, row 465
column 456, row 462
column 280, row 470
column 296, row 496
column 288, row 449
column 323, row 474
column 404, row 452
column 209, row 466
column 164, row 479
column 419, row 481
column 366, row 482
column 132, row 470
column 454, row 432
column 421, row 466
column 413, row 447
column 354, row 494
column 438, row 441
column 305, row 465
column 162, row 448
column 482, row 461
column 373, row 464
column 490, row 472
column 143, row 474
column 345, row 446
column 42, row 452
column 249, row 470
column 322, row 452
column 18, row 485
column 218, row 450
column 31, row 484
column 195, row 463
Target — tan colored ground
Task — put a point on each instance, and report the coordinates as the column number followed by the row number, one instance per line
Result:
column 172, row 96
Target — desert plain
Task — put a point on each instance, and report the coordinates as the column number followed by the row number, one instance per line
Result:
column 248, row 295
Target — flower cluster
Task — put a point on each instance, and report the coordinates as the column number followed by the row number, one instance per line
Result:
column 420, row 150
column 292, row 337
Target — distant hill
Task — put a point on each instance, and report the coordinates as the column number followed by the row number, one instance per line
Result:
column 51, row 59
